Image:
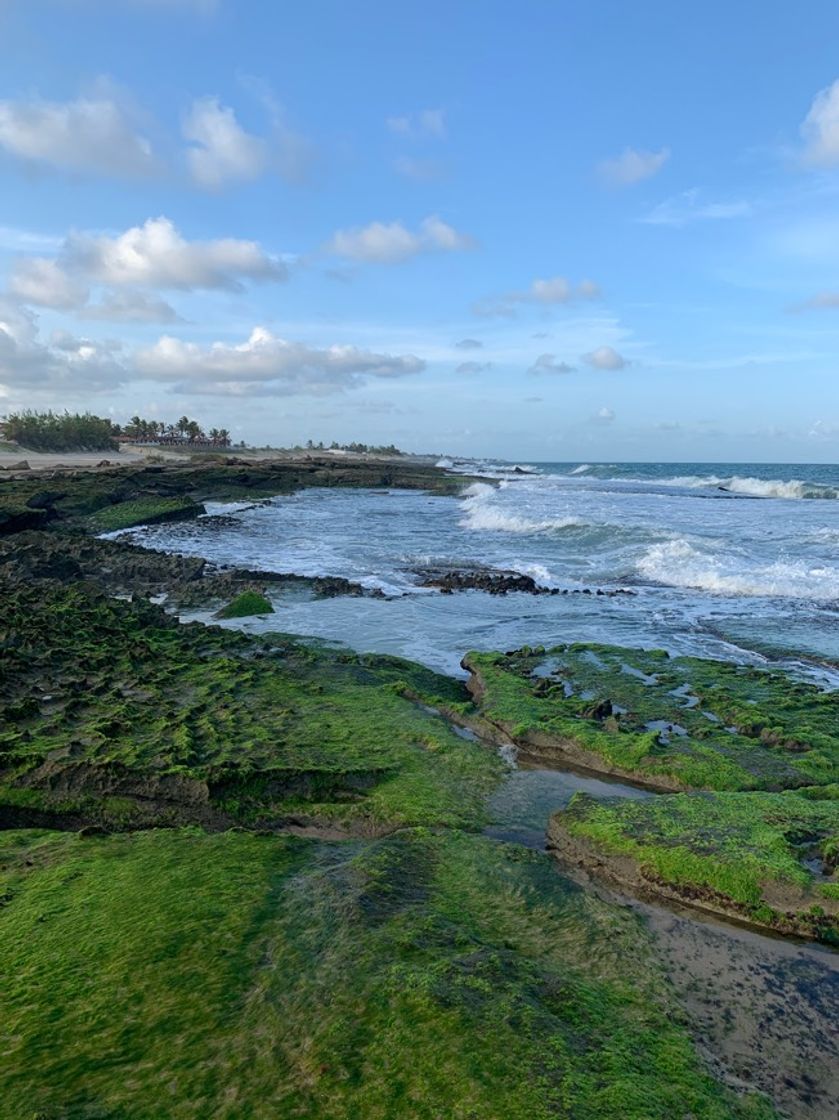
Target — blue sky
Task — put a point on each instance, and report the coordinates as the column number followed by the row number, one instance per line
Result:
column 586, row 230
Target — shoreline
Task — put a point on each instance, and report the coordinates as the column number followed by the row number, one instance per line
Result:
column 319, row 753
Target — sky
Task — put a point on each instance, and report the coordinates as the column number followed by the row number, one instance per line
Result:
column 554, row 230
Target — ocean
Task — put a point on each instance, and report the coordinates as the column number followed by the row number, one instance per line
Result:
column 722, row 560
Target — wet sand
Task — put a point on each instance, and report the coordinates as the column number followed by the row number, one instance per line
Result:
column 764, row 1011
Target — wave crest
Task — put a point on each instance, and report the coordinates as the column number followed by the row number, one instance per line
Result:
column 793, row 488
column 676, row 563
column 480, row 515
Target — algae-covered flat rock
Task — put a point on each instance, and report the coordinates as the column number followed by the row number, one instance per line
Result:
column 113, row 713
column 142, row 511
column 179, row 974
column 670, row 722
column 767, row 858
column 245, row 605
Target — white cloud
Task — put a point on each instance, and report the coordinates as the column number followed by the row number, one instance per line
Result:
column 603, row 416
column 290, row 155
column 605, row 357
column 91, row 134
column 547, row 363
column 469, row 344
column 822, row 429
column 390, row 243
column 156, row 255
column 131, row 307
column 27, row 241
column 427, row 122
column 559, row 290
column 632, row 166
column 473, row 367
column 67, row 364
column 222, row 151
column 689, row 207
column 820, row 128
column 267, row 365
column 820, row 301
column 43, row 282
column 556, row 290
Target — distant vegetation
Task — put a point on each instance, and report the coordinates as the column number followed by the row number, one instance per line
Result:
column 183, row 431
column 359, row 448
column 59, row 431
column 66, row 431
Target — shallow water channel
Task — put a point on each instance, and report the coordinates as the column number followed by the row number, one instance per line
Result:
column 763, row 1010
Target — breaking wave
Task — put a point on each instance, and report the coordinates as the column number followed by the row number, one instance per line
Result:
column 749, row 487
column 480, row 515
column 677, row 563
column 582, row 469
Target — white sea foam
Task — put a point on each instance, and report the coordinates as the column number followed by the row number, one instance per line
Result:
column 538, row 572
column 484, row 517
column 480, row 514
column 677, row 563
column 747, row 487
column 583, row 467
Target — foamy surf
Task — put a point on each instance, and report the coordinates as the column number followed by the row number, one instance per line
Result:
column 792, row 489
column 481, row 515
column 677, row 563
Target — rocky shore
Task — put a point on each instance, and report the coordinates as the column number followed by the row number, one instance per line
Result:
column 258, row 862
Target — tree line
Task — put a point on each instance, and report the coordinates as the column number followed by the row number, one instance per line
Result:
column 361, row 448
column 184, row 429
column 82, row 431
column 59, row 431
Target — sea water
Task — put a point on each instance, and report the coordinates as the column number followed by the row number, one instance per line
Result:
column 723, row 560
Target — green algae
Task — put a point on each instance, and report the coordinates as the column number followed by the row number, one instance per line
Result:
column 245, row 605
column 429, row 974
column 770, row 856
column 677, row 722
column 142, row 511
column 103, row 698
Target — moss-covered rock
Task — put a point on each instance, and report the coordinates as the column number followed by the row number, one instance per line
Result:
column 768, row 858
column 101, row 701
column 671, row 723
column 142, row 511
column 245, row 604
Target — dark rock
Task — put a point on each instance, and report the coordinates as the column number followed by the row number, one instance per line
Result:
column 45, row 499
column 492, row 581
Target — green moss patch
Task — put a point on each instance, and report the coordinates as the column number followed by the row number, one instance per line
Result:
column 244, row 605
column 142, row 511
column 101, row 699
column 184, row 975
column 771, row 857
column 678, row 722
